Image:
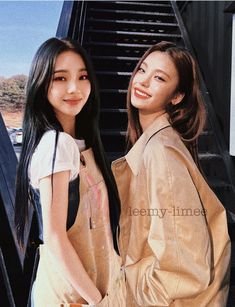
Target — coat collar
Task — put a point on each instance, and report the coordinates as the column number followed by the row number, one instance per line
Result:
column 135, row 156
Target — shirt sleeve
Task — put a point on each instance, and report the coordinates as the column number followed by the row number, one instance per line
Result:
column 67, row 157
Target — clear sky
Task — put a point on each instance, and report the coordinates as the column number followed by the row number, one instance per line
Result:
column 24, row 25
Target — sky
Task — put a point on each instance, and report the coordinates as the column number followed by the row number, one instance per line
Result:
column 24, row 26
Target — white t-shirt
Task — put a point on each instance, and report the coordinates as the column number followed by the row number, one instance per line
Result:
column 67, row 156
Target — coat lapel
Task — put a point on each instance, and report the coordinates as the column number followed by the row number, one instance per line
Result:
column 135, row 155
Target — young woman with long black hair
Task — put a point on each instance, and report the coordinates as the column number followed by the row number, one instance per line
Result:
column 64, row 174
column 173, row 230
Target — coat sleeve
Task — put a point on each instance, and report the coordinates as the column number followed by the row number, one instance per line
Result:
column 180, row 261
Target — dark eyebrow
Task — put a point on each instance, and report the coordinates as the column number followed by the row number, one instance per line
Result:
column 144, row 63
column 158, row 70
column 65, row 71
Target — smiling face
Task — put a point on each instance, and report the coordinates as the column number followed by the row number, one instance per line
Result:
column 70, row 87
column 154, row 85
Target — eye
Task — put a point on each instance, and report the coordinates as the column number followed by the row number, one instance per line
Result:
column 83, row 77
column 59, row 78
column 159, row 78
column 141, row 70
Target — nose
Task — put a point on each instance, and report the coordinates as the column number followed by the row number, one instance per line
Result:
column 145, row 80
column 72, row 86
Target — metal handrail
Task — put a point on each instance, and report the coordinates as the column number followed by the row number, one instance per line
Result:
column 72, row 20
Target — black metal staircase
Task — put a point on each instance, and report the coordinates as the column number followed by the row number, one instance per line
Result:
column 116, row 34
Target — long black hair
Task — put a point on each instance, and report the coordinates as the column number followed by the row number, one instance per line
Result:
column 40, row 117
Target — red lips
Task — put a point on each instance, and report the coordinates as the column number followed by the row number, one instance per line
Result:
column 72, row 102
column 140, row 93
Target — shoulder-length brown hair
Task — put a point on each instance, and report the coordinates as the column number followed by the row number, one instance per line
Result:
column 187, row 117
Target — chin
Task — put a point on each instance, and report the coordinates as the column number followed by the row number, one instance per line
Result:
column 139, row 104
column 135, row 104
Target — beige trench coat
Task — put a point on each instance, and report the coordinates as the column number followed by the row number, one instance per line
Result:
column 91, row 238
column 174, row 240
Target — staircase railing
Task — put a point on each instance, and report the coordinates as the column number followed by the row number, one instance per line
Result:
column 72, row 20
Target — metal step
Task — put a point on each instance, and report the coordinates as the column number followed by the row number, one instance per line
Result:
column 119, row 12
column 213, row 165
column 115, row 63
column 124, row 111
column 122, row 45
column 123, row 49
column 133, row 5
column 110, row 80
column 131, row 37
column 125, row 25
column 131, row 15
column 119, row 58
column 132, row 33
column 113, row 73
column 113, row 132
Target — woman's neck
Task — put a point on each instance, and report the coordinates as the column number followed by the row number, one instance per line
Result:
column 68, row 125
column 147, row 119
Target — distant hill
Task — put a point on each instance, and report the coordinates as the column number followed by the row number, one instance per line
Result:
column 12, row 93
